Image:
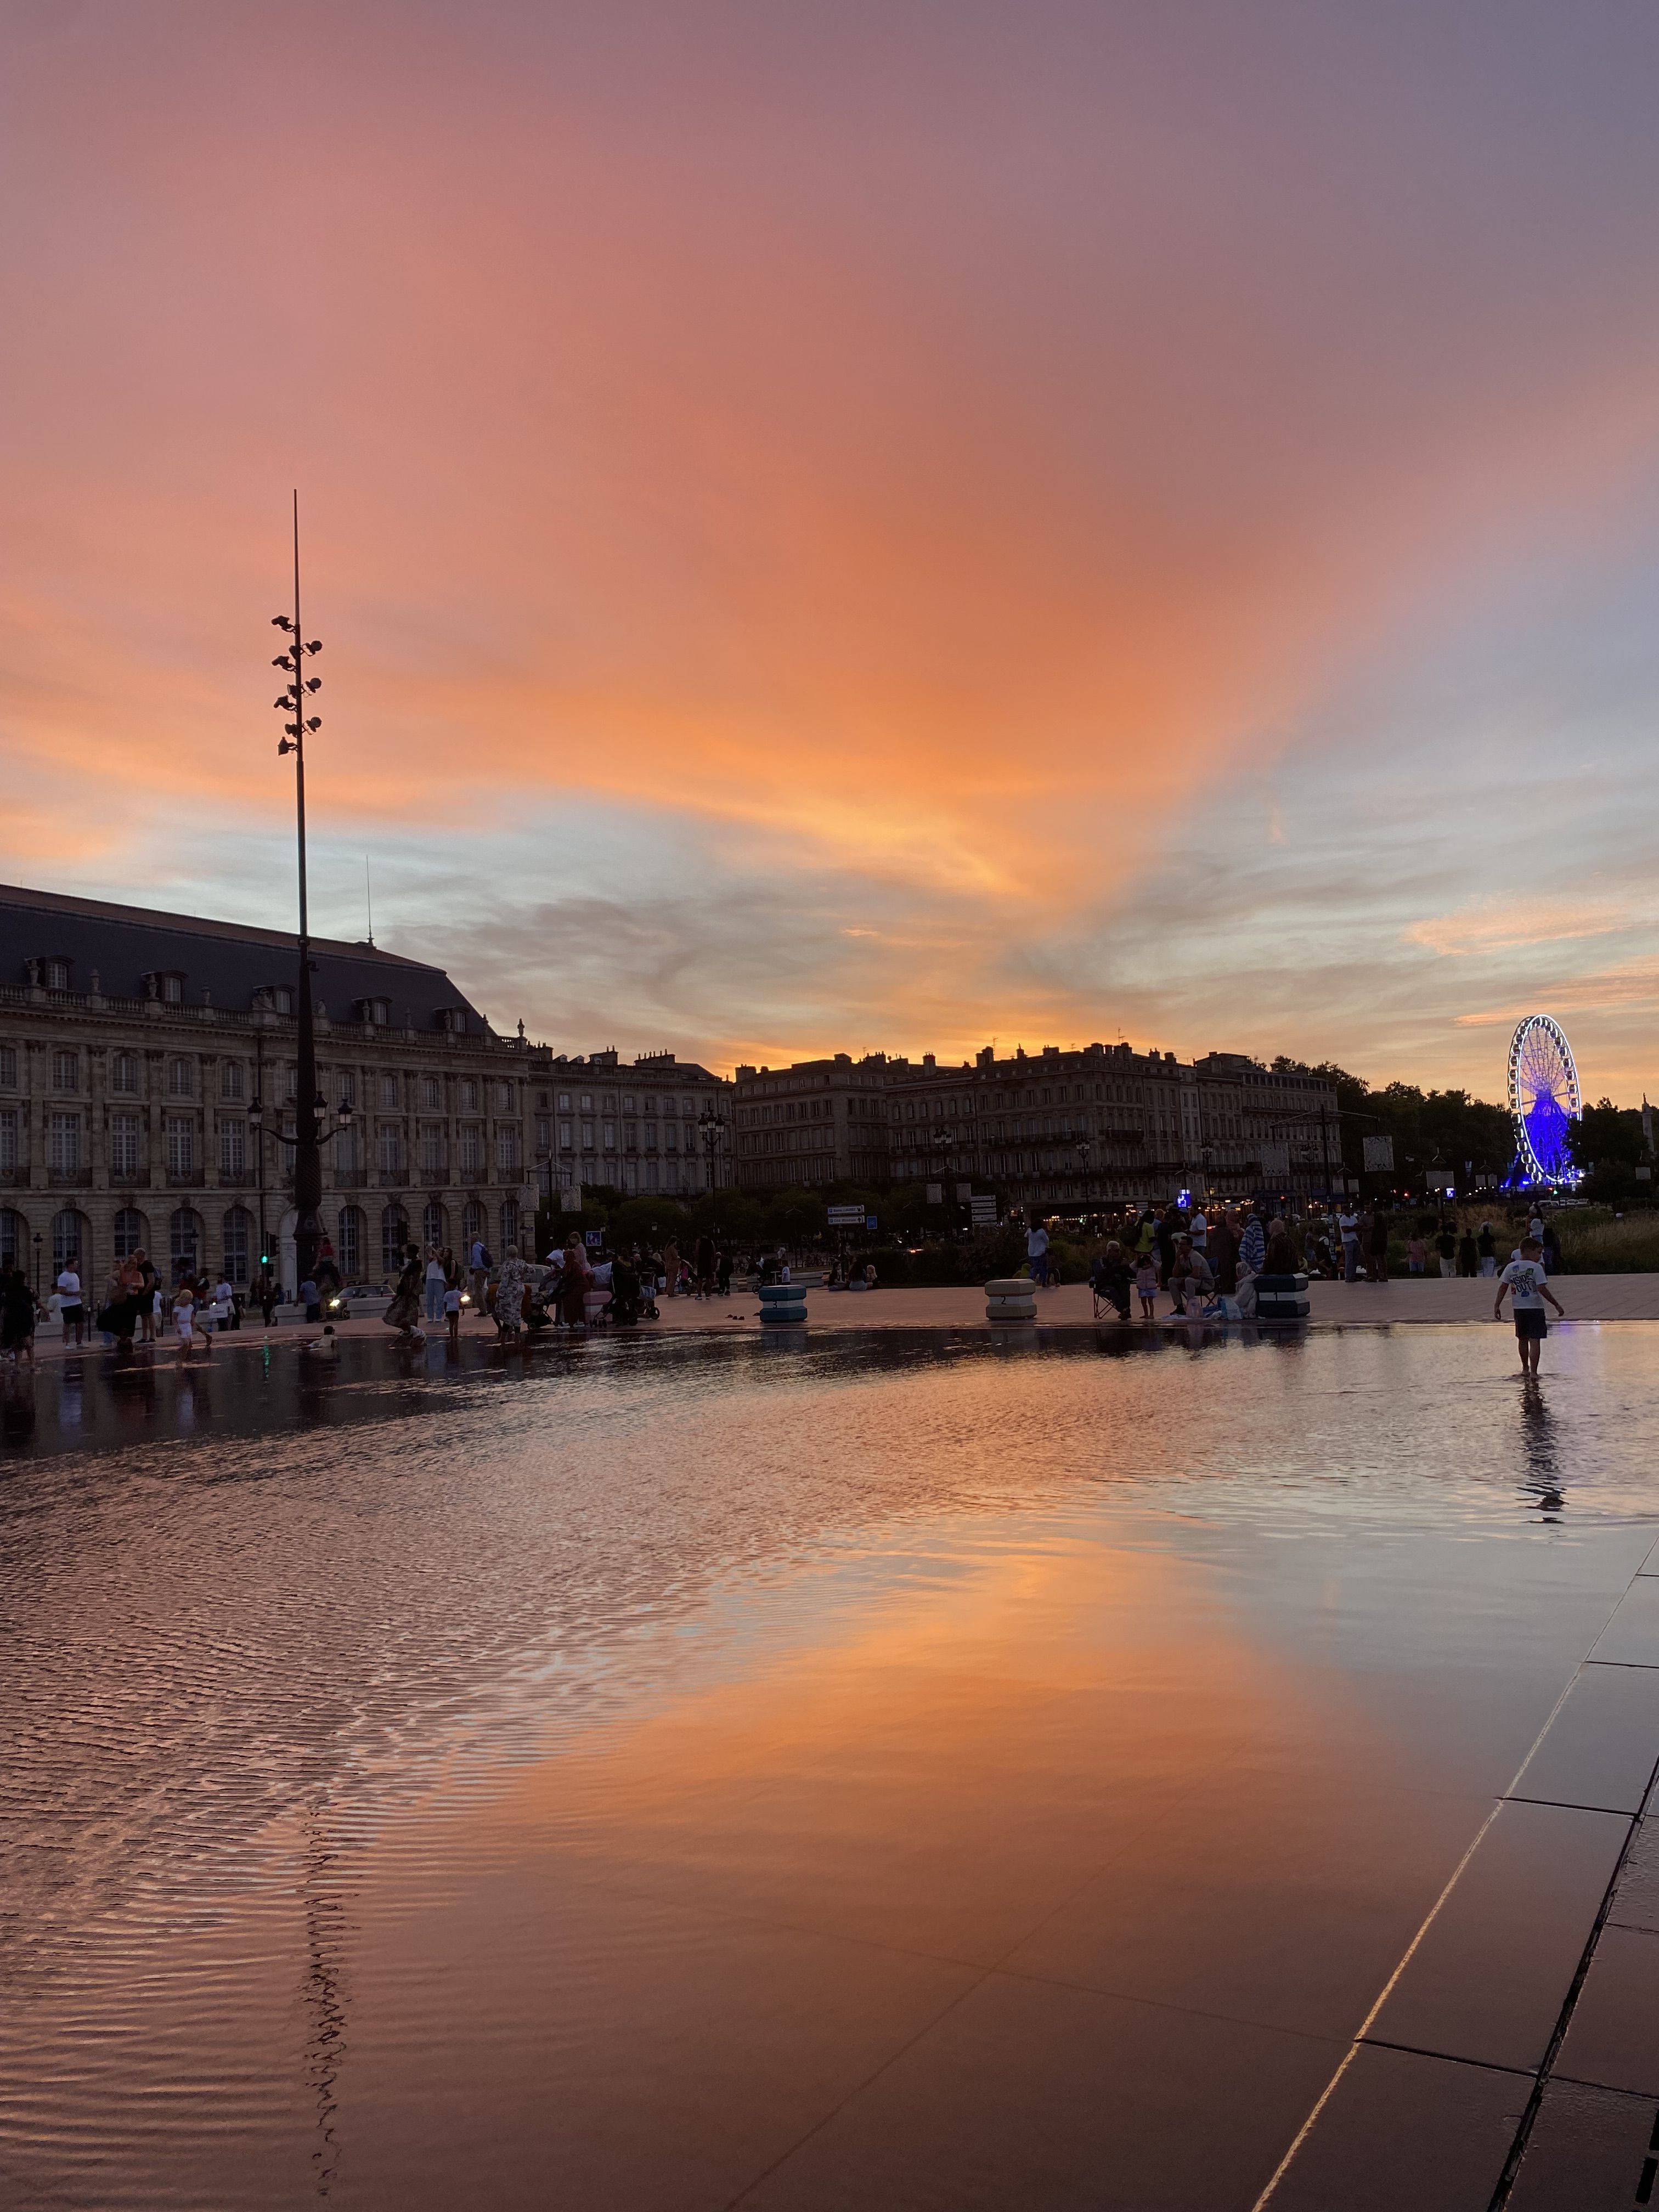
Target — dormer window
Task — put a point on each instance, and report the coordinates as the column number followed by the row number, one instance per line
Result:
column 55, row 974
column 282, row 997
column 167, row 985
column 378, row 1010
column 453, row 1019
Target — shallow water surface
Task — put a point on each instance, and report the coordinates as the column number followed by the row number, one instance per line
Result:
column 889, row 1769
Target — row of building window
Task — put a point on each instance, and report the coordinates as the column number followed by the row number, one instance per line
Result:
column 66, row 1152
column 180, row 1080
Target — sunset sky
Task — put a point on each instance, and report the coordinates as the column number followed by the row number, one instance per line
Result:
column 858, row 527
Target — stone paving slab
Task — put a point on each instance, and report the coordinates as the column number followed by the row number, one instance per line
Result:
column 1489, row 1979
column 1590, row 2150
column 1613, row 2037
column 1404, row 2129
column 1601, row 1747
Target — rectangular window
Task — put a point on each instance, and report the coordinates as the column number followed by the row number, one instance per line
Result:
column 293, row 1081
column 181, row 1145
column 471, row 1146
column 178, row 1079
column 564, row 1136
column 233, row 1147
column 351, row 1243
column 544, row 1134
column 630, row 1136
column 232, row 1082
column 468, row 1095
column 564, row 1102
column 588, row 1136
column 347, row 1080
column 65, row 1071
column 432, row 1152
column 434, row 1090
column 610, row 1136
column 507, row 1148
column 64, row 1145
column 8, row 1066
column 390, row 1147
column 389, row 1091
column 124, row 1145
column 650, row 1136
column 8, row 1139
column 504, row 1096
column 348, row 1154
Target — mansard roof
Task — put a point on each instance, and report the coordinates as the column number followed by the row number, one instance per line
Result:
column 126, row 945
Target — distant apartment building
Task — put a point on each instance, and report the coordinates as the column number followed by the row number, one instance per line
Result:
column 1103, row 1122
column 653, row 1126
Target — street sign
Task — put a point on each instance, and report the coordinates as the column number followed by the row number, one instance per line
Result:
column 869, row 1220
column 983, row 1207
column 1379, row 1154
column 594, row 1237
column 847, row 1217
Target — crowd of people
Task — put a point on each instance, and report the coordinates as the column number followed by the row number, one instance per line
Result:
column 1197, row 1259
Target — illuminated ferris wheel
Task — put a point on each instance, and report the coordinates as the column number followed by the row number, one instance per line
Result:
column 1544, row 1100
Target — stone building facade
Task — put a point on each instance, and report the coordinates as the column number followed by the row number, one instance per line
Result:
column 1102, row 1123
column 653, row 1126
column 133, row 1046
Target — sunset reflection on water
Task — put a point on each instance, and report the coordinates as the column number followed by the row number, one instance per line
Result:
column 898, row 1773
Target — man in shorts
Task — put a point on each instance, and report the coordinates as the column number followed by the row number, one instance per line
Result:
column 1524, row 1278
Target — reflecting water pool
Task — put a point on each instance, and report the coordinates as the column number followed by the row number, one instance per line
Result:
column 897, row 1771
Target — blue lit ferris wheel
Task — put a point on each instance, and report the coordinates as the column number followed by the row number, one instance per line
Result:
column 1544, row 1100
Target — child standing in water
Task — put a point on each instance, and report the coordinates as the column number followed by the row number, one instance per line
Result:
column 1524, row 1279
column 1146, row 1284
column 452, row 1311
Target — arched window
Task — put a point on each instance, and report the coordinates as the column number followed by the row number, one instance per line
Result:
column 186, row 1242
column 433, row 1224
column 124, row 1074
column 180, row 1083
column 13, row 1238
column 394, row 1236
column 509, row 1222
column 239, row 1242
column 472, row 1224
column 352, row 1240
column 65, row 1071
column 71, row 1242
column 232, row 1079
column 131, row 1232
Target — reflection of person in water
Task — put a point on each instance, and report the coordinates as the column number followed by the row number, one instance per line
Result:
column 1541, row 1488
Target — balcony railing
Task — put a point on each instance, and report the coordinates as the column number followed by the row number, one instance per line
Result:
column 392, row 1179
column 70, row 1178
column 186, row 1179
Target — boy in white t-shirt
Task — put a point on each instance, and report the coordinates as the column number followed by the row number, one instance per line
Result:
column 1524, row 1279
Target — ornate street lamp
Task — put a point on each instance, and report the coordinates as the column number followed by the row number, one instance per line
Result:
column 306, row 1142
column 256, row 1118
column 1084, row 1149
column 712, row 1128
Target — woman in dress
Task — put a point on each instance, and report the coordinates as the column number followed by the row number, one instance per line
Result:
column 509, row 1296
column 404, row 1313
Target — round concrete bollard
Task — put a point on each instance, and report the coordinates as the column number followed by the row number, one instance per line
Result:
column 782, row 1302
column 1010, row 1297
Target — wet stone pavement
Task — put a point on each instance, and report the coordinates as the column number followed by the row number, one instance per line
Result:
column 898, row 1770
